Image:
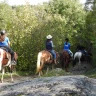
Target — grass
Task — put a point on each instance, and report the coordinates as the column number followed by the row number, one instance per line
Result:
column 55, row 72
column 17, row 74
column 91, row 73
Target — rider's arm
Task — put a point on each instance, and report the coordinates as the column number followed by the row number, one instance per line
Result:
column 52, row 44
column 8, row 41
column 69, row 45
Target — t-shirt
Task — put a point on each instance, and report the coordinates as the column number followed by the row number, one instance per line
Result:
column 5, row 42
column 66, row 46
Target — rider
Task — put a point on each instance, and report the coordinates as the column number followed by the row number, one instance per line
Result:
column 83, row 50
column 50, row 46
column 67, row 47
column 5, row 44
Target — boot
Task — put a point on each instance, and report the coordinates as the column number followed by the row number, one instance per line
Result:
column 71, row 56
column 55, row 61
column 13, row 62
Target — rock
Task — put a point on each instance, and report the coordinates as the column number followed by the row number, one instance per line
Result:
column 77, row 85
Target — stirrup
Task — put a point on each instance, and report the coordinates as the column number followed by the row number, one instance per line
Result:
column 13, row 62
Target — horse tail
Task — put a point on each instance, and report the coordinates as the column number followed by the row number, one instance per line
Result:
column 74, row 61
column 38, row 61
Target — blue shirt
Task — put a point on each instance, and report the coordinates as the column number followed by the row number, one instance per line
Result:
column 5, row 42
column 66, row 46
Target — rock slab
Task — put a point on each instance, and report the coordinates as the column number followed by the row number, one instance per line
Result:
column 77, row 85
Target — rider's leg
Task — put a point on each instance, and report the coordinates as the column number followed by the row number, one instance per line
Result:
column 12, row 54
column 71, row 54
column 54, row 56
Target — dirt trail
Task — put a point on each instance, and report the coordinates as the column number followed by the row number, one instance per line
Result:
column 77, row 70
column 17, row 79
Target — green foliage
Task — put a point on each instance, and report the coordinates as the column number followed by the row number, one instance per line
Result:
column 70, row 17
column 91, row 25
column 91, row 73
column 28, row 27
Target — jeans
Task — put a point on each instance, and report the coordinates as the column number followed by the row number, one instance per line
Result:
column 53, row 53
column 70, row 52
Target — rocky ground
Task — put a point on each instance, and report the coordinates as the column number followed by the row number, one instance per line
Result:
column 77, row 85
column 74, row 85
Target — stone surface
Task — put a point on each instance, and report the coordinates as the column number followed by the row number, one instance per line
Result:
column 77, row 85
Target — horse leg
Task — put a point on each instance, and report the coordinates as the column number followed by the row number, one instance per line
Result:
column 47, row 69
column 62, row 64
column 40, row 73
column 11, row 73
column 3, row 71
column 79, row 62
column 66, row 68
column 41, row 68
column 52, row 66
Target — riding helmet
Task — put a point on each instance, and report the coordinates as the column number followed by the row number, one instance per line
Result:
column 2, row 32
column 66, row 39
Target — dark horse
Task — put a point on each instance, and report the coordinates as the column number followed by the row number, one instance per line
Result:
column 5, row 61
column 44, row 57
column 64, row 60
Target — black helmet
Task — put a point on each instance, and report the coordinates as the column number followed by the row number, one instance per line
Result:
column 2, row 32
column 67, row 39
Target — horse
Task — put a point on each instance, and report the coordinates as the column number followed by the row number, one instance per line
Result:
column 80, row 57
column 45, row 58
column 5, row 61
column 64, row 59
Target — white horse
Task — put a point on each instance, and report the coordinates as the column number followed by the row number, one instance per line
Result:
column 5, row 61
column 77, row 58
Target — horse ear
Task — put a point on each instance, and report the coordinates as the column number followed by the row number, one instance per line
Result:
column 15, row 53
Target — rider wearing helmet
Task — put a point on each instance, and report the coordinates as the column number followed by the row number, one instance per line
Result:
column 5, row 44
column 67, row 47
column 50, row 46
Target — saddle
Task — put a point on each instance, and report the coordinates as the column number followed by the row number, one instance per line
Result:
column 51, row 60
column 51, row 55
column 83, row 53
column 4, row 49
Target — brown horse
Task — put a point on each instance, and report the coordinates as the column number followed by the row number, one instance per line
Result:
column 5, row 61
column 64, row 60
column 44, row 57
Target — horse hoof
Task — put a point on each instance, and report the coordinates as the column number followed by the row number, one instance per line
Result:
column 67, row 70
column 1, row 81
column 12, row 81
